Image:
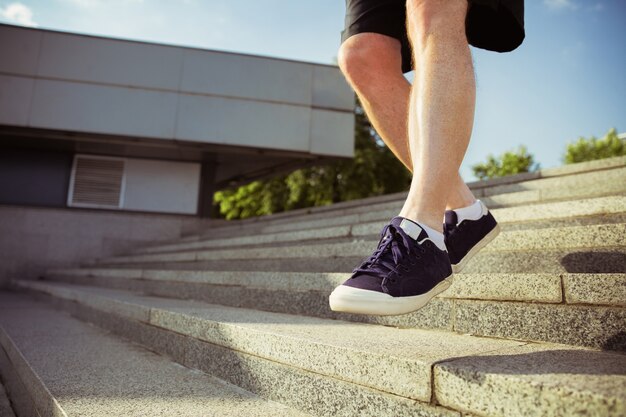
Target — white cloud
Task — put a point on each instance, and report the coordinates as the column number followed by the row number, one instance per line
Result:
column 17, row 13
column 561, row 4
column 87, row 4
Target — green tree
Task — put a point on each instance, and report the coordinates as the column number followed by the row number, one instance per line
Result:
column 374, row 170
column 508, row 163
column 591, row 149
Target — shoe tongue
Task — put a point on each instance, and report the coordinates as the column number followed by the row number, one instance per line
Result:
column 451, row 217
column 414, row 230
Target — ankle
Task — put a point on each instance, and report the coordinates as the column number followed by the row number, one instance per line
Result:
column 460, row 201
column 432, row 221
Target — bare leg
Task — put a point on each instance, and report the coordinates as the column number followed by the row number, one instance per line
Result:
column 441, row 109
column 372, row 65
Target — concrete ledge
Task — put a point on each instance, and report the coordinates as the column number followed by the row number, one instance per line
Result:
column 598, row 165
column 545, row 288
column 510, row 296
column 26, row 381
column 579, row 260
column 308, row 391
column 533, row 380
column 33, row 239
column 574, row 379
column 369, row 224
column 387, row 360
column 397, row 198
column 608, row 289
column 73, row 369
column 593, row 236
column 595, row 327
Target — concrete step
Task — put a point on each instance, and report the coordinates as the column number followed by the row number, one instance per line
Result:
column 553, row 189
column 519, row 199
column 592, row 289
column 581, row 212
column 581, row 260
column 393, row 371
column 56, row 365
column 506, row 216
column 566, row 308
column 512, row 243
column 605, row 178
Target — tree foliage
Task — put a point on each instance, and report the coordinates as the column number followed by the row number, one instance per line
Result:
column 592, row 148
column 508, row 163
column 374, row 170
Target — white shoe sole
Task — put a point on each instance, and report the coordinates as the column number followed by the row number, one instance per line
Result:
column 456, row 268
column 358, row 301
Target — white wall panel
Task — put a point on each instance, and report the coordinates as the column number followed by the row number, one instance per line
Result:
column 15, row 96
column 103, row 109
column 161, row 186
column 19, row 49
column 332, row 133
column 133, row 89
column 243, row 122
column 245, row 76
column 110, row 61
column 330, row 89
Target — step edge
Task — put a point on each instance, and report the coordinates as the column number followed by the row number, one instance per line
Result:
column 43, row 400
column 448, row 361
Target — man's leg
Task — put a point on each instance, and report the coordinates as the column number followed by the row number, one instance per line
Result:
column 372, row 65
column 441, row 108
column 412, row 263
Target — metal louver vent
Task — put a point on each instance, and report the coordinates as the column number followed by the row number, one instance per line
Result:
column 96, row 182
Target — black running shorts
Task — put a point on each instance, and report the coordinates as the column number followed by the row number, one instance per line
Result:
column 495, row 25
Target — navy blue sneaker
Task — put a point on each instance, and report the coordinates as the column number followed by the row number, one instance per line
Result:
column 403, row 274
column 464, row 239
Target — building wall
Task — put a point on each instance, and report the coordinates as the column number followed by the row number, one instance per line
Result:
column 42, row 178
column 34, row 177
column 68, row 82
column 161, row 186
column 35, row 238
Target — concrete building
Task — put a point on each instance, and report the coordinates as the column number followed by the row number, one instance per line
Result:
column 93, row 127
column 124, row 125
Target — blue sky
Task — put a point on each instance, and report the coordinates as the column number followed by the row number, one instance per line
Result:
column 567, row 79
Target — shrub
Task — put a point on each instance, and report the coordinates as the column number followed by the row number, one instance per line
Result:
column 591, row 149
column 509, row 163
column 374, row 170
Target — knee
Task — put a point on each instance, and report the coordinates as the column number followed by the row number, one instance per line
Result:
column 353, row 60
column 440, row 20
column 363, row 58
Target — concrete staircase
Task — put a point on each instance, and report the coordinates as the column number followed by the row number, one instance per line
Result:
column 535, row 327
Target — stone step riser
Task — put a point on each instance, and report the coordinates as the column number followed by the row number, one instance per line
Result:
column 454, row 310
column 592, row 261
column 260, row 333
column 186, row 342
column 535, row 225
column 308, row 391
column 572, row 238
column 371, row 227
column 479, row 188
column 382, row 214
column 589, row 289
column 547, row 211
column 28, row 395
column 568, row 184
column 582, row 186
column 58, row 366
